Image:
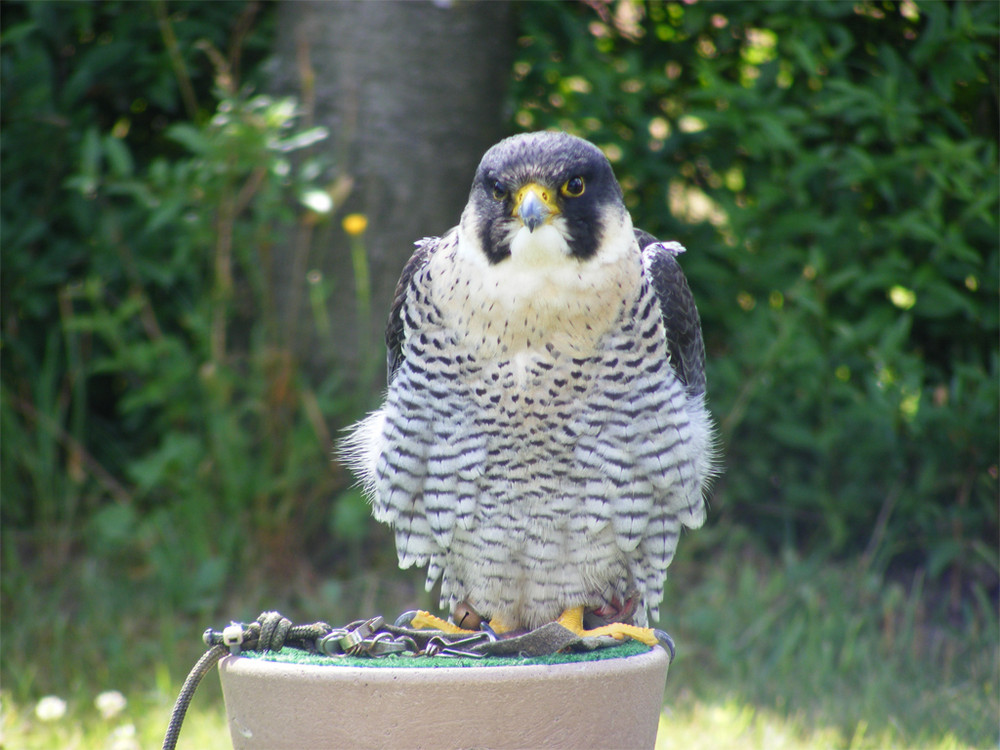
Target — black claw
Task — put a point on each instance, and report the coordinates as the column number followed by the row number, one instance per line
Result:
column 666, row 641
column 404, row 620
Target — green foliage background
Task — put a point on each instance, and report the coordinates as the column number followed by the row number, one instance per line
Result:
column 831, row 167
column 154, row 415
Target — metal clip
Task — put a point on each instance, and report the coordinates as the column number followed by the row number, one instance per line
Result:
column 454, row 652
column 353, row 642
column 384, row 644
column 440, row 646
column 329, row 644
column 349, row 642
column 374, row 624
column 355, row 639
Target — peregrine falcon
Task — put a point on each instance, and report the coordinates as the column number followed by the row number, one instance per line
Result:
column 544, row 436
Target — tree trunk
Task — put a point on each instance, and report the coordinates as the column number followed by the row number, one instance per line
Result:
column 412, row 94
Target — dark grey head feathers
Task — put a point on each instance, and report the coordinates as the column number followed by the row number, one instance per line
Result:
column 576, row 185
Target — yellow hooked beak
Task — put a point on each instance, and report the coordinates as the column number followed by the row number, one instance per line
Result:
column 534, row 204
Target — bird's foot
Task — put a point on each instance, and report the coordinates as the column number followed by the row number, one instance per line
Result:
column 572, row 619
column 614, row 610
column 425, row 620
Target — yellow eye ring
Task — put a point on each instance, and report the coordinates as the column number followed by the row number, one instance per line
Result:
column 499, row 191
column 573, row 187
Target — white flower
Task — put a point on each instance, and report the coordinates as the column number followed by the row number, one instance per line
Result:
column 50, row 708
column 110, row 703
column 123, row 738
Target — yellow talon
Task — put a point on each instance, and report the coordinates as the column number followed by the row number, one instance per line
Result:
column 423, row 620
column 498, row 626
column 572, row 619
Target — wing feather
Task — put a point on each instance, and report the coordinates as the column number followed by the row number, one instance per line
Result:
column 395, row 330
column 677, row 308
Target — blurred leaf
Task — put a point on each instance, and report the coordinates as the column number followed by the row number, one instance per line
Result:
column 189, row 136
column 350, row 515
column 119, row 157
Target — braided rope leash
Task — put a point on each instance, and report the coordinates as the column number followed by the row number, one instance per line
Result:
column 208, row 660
column 269, row 632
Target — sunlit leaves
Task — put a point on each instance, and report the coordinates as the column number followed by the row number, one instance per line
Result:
column 832, row 169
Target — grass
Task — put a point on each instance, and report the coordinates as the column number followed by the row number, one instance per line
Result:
column 732, row 725
column 773, row 652
column 827, row 651
column 141, row 725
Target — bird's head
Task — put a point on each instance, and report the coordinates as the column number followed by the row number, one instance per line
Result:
column 543, row 197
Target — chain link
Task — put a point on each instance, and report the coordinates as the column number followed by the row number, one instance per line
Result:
column 364, row 638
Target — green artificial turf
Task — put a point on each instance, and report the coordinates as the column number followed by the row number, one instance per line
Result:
column 297, row 656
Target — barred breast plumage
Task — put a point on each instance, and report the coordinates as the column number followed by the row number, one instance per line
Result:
column 541, row 445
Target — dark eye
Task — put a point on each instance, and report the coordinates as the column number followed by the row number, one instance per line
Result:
column 499, row 191
column 573, row 187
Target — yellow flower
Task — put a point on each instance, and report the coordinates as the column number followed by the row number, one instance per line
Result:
column 355, row 224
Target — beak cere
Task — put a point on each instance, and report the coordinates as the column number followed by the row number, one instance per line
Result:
column 533, row 205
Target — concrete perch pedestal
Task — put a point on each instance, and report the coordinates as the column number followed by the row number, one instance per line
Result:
column 611, row 703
